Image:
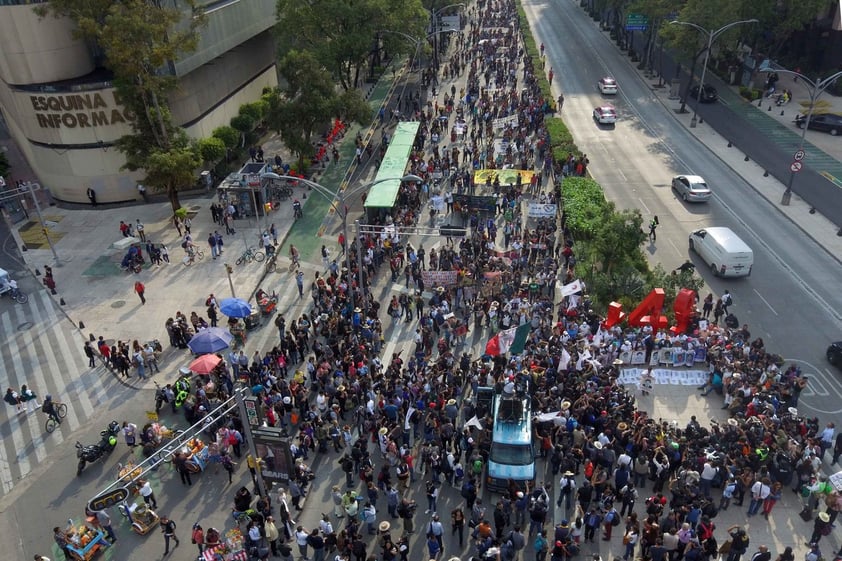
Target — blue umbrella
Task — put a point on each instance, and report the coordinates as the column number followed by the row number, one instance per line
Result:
column 210, row 340
column 235, row 308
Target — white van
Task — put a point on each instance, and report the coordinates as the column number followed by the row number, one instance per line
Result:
column 722, row 251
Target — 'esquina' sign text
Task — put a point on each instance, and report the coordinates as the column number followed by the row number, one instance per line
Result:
column 78, row 110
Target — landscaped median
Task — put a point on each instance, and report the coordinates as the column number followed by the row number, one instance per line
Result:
column 608, row 244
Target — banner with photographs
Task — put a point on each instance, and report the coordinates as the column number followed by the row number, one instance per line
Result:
column 506, row 176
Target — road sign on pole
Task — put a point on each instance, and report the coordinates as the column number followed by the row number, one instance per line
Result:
column 795, row 167
column 799, row 155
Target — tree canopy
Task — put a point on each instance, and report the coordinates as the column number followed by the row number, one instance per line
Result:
column 342, row 33
column 308, row 102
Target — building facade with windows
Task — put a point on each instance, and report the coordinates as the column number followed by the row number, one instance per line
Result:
column 63, row 112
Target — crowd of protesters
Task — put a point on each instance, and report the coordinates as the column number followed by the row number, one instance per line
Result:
column 397, row 426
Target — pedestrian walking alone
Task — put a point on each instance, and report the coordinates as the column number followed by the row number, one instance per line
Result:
column 168, row 529
column 652, row 226
column 89, row 352
column 140, row 290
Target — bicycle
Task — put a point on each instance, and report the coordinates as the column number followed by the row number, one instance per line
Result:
column 192, row 256
column 272, row 263
column 250, row 255
column 18, row 296
column 61, row 413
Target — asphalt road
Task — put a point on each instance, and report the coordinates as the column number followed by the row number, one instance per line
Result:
column 791, row 299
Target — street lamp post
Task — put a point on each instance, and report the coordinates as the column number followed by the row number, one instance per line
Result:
column 434, row 28
column 712, row 35
column 341, row 196
column 29, row 186
column 417, row 41
column 815, row 88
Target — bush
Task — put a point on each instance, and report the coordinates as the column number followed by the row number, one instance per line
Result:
column 751, row 94
column 243, row 123
column 211, row 149
column 228, row 135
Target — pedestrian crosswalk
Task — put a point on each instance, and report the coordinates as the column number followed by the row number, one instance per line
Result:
column 41, row 348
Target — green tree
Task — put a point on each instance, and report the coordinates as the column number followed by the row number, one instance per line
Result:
column 308, row 102
column 779, row 20
column 228, row 135
column 140, row 39
column 212, row 149
column 342, row 33
column 709, row 14
column 243, row 123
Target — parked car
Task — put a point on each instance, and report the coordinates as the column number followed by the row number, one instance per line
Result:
column 709, row 94
column 607, row 85
column 826, row 122
column 692, row 188
column 834, row 353
column 605, row 115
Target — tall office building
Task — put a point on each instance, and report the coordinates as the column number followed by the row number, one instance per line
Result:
column 61, row 109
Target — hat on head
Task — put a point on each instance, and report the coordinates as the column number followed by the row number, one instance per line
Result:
column 824, row 517
column 287, row 400
column 622, row 425
column 597, row 445
column 357, row 310
column 383, row 430
column 566, row 404
column 617, row 362
column 451, row 402
column 384, row 526
column 793, row 411
column 568, row 473
column 733, row 422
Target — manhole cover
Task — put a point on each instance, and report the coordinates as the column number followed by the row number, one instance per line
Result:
column 118, row 304
column 195, row 208
column 25, row 326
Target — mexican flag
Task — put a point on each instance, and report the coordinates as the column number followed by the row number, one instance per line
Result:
column 508, row 341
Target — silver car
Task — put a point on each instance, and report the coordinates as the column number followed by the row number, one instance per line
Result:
column 692, row 188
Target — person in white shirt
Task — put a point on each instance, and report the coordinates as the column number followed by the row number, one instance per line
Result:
column 827, row 436
column 709, row 472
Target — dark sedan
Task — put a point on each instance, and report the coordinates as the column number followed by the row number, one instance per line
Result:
column 825, row 122
column 709, row 94
column 834, row 353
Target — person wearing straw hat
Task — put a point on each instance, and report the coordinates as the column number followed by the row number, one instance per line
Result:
column 821, row 527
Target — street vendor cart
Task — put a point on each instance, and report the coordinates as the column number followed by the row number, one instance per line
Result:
column 143, row 518
column 84, row 541
column 196, row 454
column 232, row 549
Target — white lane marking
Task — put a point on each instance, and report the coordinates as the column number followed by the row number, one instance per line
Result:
column 646, row 208
column 765, row 301
column 15, row 420
column 672, row 243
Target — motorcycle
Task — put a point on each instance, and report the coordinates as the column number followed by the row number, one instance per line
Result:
column 160, row 398
column 93, row 452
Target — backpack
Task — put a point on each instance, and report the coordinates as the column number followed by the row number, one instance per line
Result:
column 744, row 542
column 615, row 518
column 43, row 407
